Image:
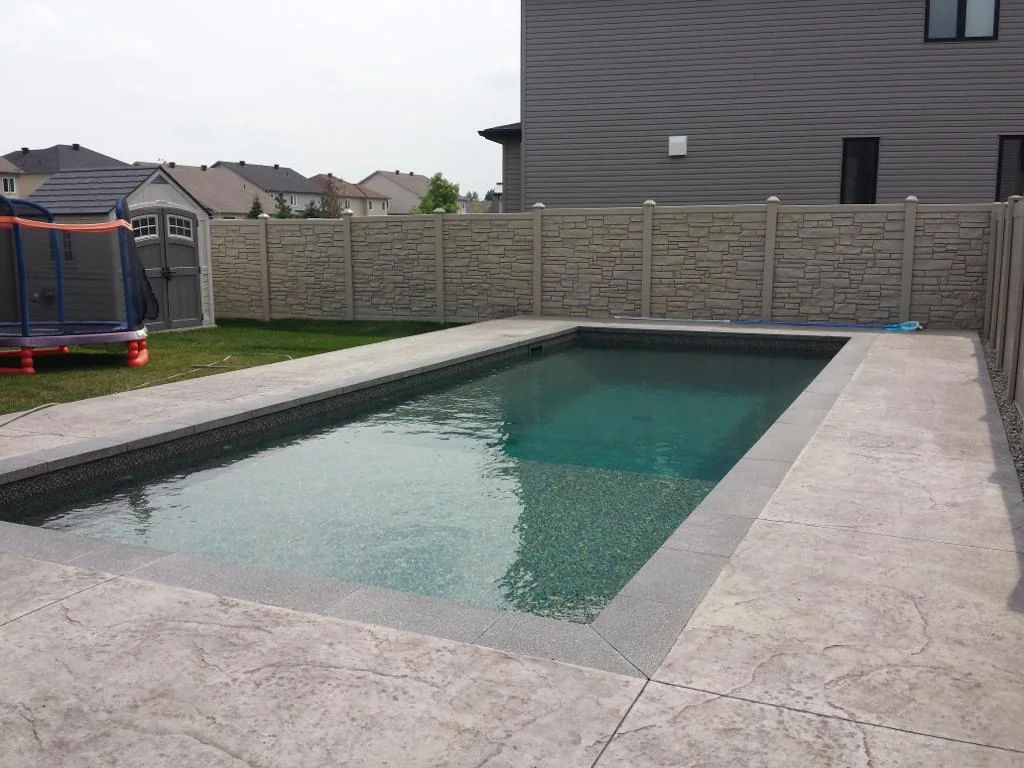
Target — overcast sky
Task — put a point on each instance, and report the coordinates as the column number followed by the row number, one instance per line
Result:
column 319, row 85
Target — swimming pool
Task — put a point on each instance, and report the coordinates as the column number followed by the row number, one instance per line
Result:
column 541, row 486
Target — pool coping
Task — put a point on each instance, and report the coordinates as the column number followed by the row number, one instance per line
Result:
column 631, row 636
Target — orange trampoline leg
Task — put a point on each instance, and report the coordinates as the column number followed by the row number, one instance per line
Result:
column 138, row 353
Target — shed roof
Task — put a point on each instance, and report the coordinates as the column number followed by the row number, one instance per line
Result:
column 61, row 157
column 272, row 178
column 90, row 191
column 219, row 190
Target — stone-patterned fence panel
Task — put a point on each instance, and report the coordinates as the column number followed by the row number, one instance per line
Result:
column 871, row 264
column 707, row 264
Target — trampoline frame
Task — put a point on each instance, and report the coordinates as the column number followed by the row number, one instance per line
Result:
column 28, row 344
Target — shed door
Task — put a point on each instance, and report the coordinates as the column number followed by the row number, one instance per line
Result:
column 167, row 239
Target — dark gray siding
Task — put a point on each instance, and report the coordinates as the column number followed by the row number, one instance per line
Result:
column 511, row 171
column 766, row 91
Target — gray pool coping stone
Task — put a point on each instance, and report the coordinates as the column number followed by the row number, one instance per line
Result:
column 631, row 636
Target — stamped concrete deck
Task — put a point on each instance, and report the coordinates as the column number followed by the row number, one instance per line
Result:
column 872, row 615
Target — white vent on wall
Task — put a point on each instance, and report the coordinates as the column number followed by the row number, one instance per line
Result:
column 677, row 146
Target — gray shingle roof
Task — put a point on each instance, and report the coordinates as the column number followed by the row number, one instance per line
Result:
column 61, row 157
column 92, row 191
column 503, row 133
column 219, row 190
column 415, row 183
column 6, row 166
column 271, row 179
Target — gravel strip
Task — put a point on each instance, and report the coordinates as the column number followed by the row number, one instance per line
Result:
column 1012, row 421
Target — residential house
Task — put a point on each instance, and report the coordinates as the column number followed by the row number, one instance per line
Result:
column 222, row 193
column 404, row 190
column 37, row 165
column 170, row 229
column 360, row 199
column 735, row 100
column 297, row 190
column 9, row 176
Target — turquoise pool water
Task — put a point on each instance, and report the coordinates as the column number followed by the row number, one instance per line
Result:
column 542, row 487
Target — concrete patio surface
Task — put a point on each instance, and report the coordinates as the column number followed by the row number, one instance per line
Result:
column 872, row 615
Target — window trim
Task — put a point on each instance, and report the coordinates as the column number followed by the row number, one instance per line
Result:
column 999, row 160
column 174, row 219
column 842, row 171
column 155, row 226
column 961, row 24
column 14, row 185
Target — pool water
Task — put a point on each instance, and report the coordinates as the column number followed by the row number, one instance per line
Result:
column 541, row 487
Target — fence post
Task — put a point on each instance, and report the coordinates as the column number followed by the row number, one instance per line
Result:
column 993, row 252
column 1015, row 294
column 909, row 243
column 264, row 266
column 538, row 259
column 439, row 260
column 1003, row 279
column 771, row 213
column 350, row 279
column 648, row 247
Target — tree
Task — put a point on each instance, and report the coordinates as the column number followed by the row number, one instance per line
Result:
column 256, row 209
column 311, row 211
column 330, row 203
column 472, row 196
column 442, row 194
column 284, row 211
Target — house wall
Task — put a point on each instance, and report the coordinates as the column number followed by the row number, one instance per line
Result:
column 511, row 173
column 402, row 200
column 30, row 182
column 845, row 264
column 766, row 92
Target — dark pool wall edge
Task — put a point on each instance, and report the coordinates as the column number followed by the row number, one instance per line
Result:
column 631, row 636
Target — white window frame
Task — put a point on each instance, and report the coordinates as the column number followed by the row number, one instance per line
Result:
column 146, row 226
column 385, row 205
column 10, row 185
column 180, row 228
column 369, row 205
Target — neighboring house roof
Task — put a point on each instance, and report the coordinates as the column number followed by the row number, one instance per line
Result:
column 61, row 157
column 90, row 191
column 502, row 134
column 6, row 166
column 414, row 182
column 272, row 178
column 219, row 190
column 347, row 188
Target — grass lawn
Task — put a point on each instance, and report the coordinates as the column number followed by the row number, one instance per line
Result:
column 233, row 344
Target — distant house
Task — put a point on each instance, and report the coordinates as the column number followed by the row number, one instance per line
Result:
column 37, row 165
column 170, row 228
column 222, row 193
column 9, row 177
column 406, row 190
column 361, row 200
column 297, row 190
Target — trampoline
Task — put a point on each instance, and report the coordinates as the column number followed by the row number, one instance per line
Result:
column 64, row 285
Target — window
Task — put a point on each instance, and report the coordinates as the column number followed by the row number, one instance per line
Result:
column 1010, row 179
column 65, row 246
column 961, row 19
column 860, row 171
column 369, row 205
column 292, row 197
column 9, row 186
column 179, row 226
column 145, row 226
column 348, row 205
column 385, row 205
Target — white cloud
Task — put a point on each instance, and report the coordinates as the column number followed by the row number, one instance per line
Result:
column 318, row 85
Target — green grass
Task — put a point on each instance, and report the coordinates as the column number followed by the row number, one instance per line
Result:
column 233, row 344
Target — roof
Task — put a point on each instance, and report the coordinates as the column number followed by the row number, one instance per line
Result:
column 414, row 182
column 6, row 166
column 272, row 178
column 219, row 190
column 347, row 188
column 503, row 133
column 90, row 191
column 61, row 157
